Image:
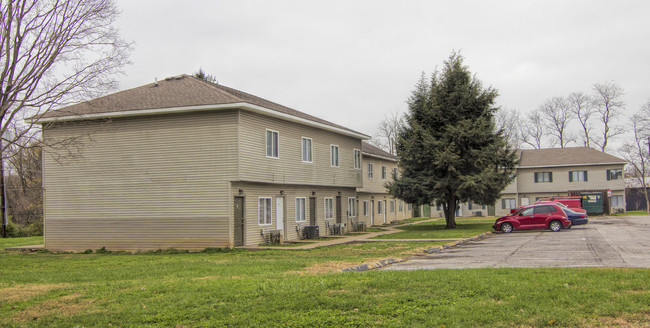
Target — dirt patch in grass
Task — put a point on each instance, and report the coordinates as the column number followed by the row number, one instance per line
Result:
column 26, row 292
column 626, row 320
column 63, row 306
column 325, row 267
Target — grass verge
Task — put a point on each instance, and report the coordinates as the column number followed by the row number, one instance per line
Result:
column 631, row 213
column 436, row 230
column 279, row 288
column 20, row 241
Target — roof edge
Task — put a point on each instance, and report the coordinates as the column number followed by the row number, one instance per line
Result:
column 202, row 108
column 563, row 165
column 379, row 156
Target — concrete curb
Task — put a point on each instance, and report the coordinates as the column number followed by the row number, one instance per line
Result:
column 458, row 242
column 386, row 262
column 371, row 266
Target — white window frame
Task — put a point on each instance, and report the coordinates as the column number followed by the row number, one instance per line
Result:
column 334, row 156
column 509, row 203
column 544, row 177
column 409, row 207
column 329, row 205
column 371, row 167
column 352, row 207
column 392, row 206
column 379, row 207
column 383, row 172
column 276, row 144
column 365, row 208
column 400, row 207
column 577, row 176
column 301, row 209
column 620, row 202
column 264, row 214
column 310, row 153
column 357, row 159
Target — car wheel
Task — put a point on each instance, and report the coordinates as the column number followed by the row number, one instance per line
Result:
column 555, row 226
column 506, row 227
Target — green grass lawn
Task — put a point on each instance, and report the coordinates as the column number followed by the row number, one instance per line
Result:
column 631, row 213
column 280, row 288
column 436, row 230
column 21, row 241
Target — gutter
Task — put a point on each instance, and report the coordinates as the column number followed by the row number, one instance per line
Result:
column 202, row 108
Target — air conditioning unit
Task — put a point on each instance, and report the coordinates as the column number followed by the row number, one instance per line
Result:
column 478, row 213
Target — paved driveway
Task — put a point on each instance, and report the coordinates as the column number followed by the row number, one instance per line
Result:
column 603, row 242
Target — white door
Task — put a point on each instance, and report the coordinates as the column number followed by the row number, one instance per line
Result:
column 279, row 214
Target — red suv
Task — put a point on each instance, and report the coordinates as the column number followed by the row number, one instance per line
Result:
column 538, row 216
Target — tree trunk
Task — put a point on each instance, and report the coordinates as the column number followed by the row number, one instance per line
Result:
column 450, row 212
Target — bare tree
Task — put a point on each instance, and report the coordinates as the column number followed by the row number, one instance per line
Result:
column 582, row 106
column 532, row 130
column 556, row 118
column 53, row 53
column 508, row 121
column 388, row 130
column 609, row 104
column 637, row 150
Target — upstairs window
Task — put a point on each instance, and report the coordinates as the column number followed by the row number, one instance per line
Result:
column 272, row 144
column 614, row 174
column 357, row 159
column 383, row 172
column 543, row 177
column 370, row 168
column 578, row 176
column 334, row 155
column 306, row 150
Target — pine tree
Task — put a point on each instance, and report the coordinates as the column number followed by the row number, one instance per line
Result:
column 449, row 151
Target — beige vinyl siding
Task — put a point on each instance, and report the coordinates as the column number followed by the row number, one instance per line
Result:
column 149, row 182
column 252, row 191
column 376, row 184
column 597, row 179
column 289, row 168
column 379, row 218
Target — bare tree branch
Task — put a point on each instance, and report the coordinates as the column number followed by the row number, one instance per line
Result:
column 388, row 130
column 636, row 151
column 609, row 106
column 508, row 122
column 556, row 118
column 532, row 130
column 582, row 106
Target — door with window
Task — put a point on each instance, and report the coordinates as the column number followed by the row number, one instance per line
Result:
column 542, row 214
column 526, row 217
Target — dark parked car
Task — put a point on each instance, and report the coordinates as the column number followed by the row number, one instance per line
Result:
column 576, row 218
column 538, row 216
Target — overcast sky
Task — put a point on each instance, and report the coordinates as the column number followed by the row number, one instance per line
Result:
column 351, row 62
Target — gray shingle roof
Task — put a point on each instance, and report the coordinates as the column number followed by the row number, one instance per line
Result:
column 178, row 91
column 565, row 156
column 371, row 150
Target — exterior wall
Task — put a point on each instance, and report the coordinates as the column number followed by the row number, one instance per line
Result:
column 372, row 217
column 252, row 191
column 376, row 183
column 597, row 179
column 151, row 182
column 255, row 166
column 531, row 198
column 464, row 211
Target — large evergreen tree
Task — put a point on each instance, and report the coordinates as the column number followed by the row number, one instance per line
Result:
column 449, row 151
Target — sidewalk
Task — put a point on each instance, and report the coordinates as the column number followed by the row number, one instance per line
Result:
column 342, row 239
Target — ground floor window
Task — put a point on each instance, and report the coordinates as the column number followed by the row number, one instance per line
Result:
column 264, row 210
column 380, row 207
column 410, row 207
column 401, row 206
column 508, row 203
column 392, row 206
column 300, row 209
column 365, row 208
column 329, row 207
column 352, row 207
column 617, row 201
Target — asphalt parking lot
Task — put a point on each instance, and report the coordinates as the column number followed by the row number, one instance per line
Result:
column 603, row 242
